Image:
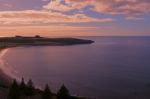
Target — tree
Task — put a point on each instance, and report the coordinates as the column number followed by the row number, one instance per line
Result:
column 14, row 91
column 37, row 36
column 22, row 87
column 63, row 93
column 30, row 90
column 47, row 94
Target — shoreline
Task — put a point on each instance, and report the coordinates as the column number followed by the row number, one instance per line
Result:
column 18, row 41
column 6, row 78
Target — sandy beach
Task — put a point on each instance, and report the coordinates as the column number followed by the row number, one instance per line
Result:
column 4, row 79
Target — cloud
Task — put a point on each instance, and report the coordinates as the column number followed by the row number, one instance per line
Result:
column 8, row 5
column 64, row 6
column 33, row 17
column 58, row 5
column 134, row 18
column 5, row 5
column 48, row 30
column 128, row 7
column 45, row 0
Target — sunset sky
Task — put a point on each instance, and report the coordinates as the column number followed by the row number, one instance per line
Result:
column 75, row 17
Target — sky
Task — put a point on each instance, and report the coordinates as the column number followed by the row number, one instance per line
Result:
column 75, row 17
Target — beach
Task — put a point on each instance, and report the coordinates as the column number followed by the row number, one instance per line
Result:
column 5, row 79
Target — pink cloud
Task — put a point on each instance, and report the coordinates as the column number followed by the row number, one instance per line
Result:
column 128, row 7
column 8, row 5
column 134, row 18
column 32, row 17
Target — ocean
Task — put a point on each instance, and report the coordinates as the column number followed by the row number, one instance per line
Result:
column 110, row 68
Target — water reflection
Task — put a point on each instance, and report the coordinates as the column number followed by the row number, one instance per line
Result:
column 113, row 67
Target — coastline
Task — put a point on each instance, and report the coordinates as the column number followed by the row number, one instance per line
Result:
column 5, row 79
column 10, row 42
column 5, row 75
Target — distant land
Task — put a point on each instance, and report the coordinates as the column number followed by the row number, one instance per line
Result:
column 40, row 41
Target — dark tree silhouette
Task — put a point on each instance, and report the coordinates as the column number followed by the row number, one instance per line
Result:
column 63, row 93
column 37, row 36
column 14, row 91
column 47, row 94
column 30, row 90
column 22, row 87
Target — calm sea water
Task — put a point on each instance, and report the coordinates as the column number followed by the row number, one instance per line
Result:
column 111, row 68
